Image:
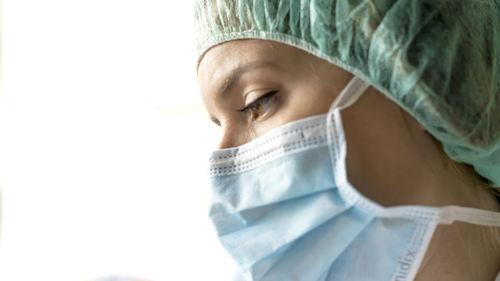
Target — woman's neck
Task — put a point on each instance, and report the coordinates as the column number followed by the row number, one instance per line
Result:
column 461, row 252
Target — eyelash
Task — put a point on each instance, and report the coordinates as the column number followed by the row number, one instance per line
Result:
column 258, row 101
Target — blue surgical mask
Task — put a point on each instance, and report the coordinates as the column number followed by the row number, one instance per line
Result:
column 284, row 210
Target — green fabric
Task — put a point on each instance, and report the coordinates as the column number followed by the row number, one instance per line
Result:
column 439, row 60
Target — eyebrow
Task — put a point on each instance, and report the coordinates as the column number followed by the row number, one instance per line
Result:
column 234, row 78
column 236, row 74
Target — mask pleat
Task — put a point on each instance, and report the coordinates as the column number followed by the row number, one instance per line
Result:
column 284, row 224
column 316, row 251
column 276, row 182
column 381, row 245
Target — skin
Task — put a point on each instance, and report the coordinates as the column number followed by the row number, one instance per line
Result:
column 414, row 171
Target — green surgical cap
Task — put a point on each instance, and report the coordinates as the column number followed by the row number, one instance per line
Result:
column 437, row 59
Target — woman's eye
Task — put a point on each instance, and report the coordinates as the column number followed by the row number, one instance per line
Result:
column 261, row 106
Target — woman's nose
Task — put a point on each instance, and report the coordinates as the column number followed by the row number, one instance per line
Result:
column 232, row 137
column 227, row 140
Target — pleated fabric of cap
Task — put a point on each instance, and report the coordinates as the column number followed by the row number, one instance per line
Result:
column 437, row 59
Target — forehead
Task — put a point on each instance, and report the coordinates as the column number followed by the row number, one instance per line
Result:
column 222, row 60
column 233, row 54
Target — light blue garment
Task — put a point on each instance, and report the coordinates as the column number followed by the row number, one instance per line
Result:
column 284, row 210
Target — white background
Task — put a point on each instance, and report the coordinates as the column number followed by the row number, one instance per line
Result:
column 103, row 143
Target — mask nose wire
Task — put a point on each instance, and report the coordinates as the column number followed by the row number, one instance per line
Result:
column 351, row 93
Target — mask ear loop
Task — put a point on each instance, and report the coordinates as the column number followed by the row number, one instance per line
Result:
column 336, row 138
column 350, row 94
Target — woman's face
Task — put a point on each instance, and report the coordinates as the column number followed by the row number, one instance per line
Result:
column 252, row 86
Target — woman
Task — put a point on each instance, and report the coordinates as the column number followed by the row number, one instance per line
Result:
column 361, row 139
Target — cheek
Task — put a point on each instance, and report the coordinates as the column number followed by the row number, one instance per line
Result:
column 308, row 101
column 299, row 103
